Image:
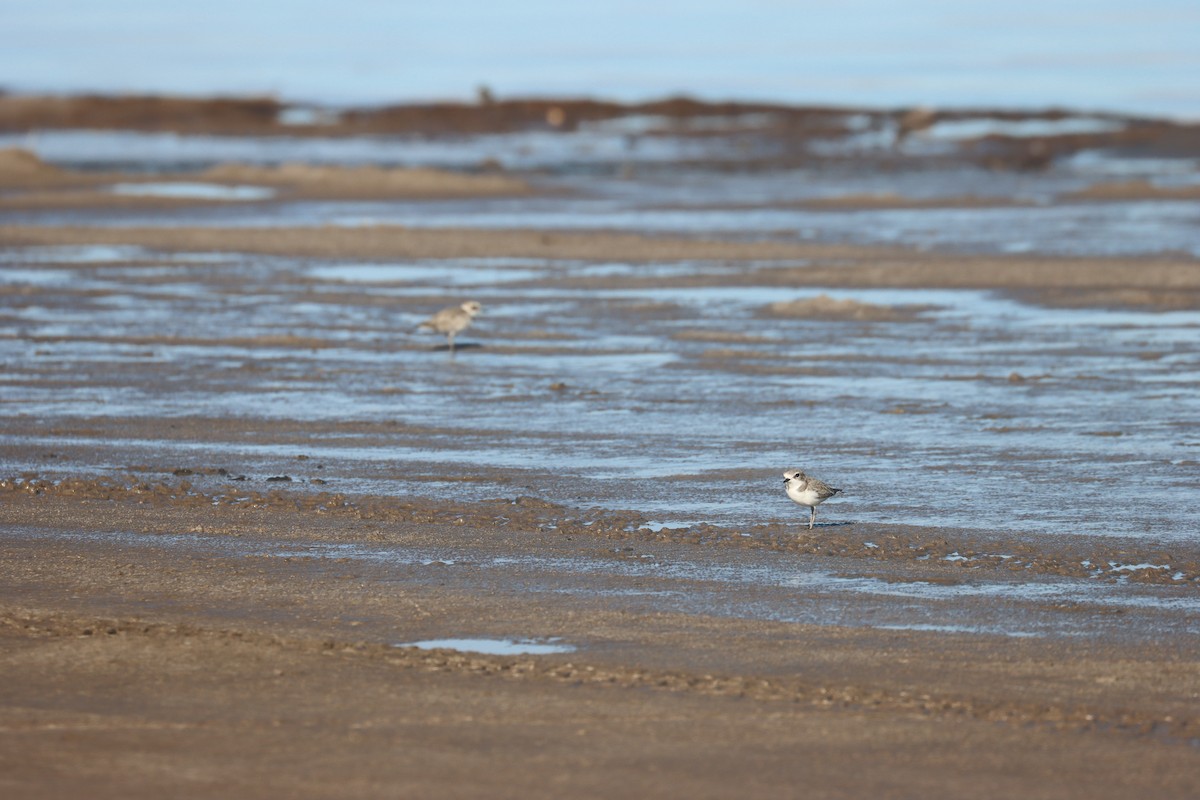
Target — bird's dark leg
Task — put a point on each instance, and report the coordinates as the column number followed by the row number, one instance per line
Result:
column 812, row 518
column 450, row 338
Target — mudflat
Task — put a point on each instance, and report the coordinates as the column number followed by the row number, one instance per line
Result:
column 179, row 623
column 261, row 536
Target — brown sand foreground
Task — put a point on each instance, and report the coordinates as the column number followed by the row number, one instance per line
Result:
column 235, row 669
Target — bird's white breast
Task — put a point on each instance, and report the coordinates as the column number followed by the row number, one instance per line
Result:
column 804, row 496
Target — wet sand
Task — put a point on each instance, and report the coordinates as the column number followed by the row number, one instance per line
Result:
column 1137, row 190
column 237, row 486
column 135, row 666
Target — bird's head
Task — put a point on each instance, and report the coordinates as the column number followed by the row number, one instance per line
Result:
column 793, row 475
column 472, row 307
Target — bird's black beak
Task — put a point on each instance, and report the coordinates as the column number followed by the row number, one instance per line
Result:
column 785, row 480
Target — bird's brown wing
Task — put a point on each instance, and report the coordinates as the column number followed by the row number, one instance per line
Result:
column 822, row 489
column 442, row 320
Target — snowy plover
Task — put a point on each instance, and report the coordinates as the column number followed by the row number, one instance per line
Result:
column 452, row 320
column 807, row 492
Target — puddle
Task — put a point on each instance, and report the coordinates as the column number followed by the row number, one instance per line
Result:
column 301, row 116
column 959, row 629
column 193, row 191
column 72, row 254
column 90, row 254
column 1025, row 128
column 34, row 277
column 451, row 272
column 1108, row 165
column 656, row 526
column 495, row 647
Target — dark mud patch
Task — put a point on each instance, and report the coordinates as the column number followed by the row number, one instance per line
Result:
column 304, row 180
column 1135, row 190
column 722, row 337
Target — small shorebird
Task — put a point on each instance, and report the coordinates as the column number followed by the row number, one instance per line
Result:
column 807, row 492
column 452, row 320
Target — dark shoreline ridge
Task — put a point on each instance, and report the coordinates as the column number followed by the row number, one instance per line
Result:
column 787, row 129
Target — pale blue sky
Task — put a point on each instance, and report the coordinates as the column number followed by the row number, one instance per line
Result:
column 1102, row 54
